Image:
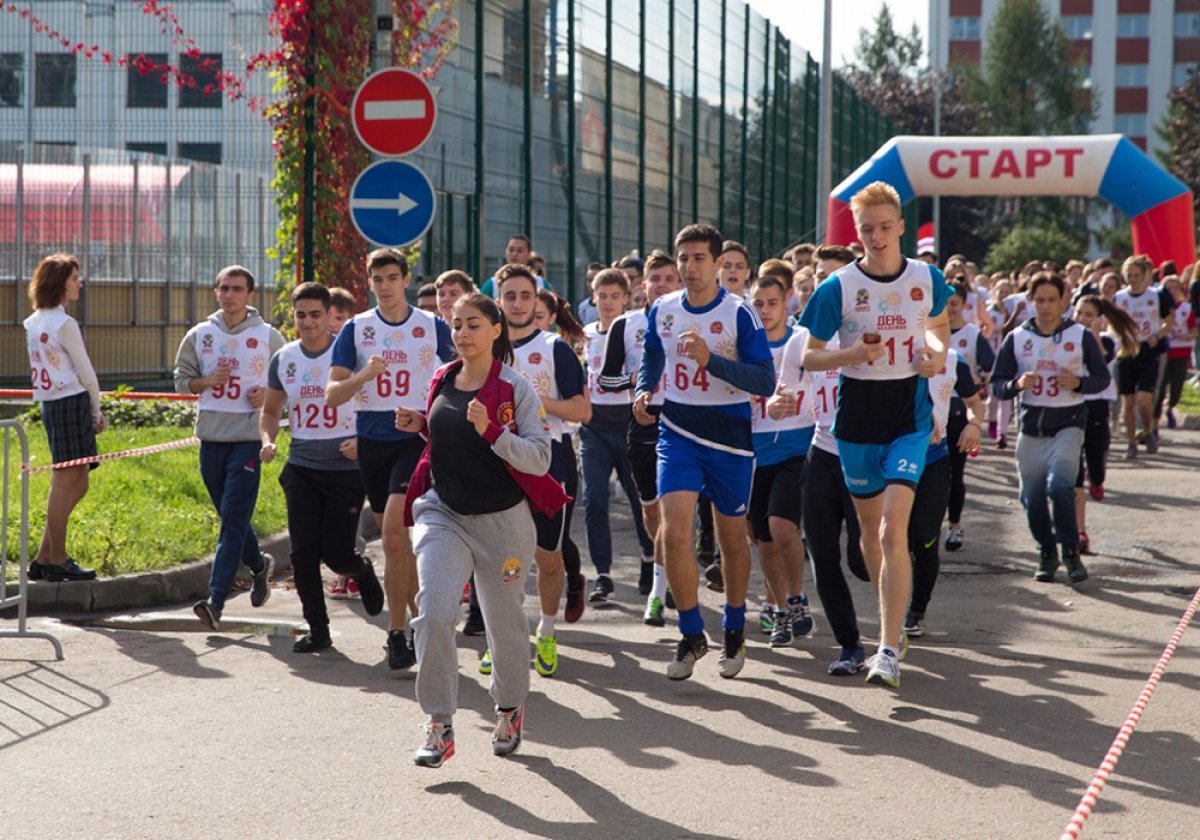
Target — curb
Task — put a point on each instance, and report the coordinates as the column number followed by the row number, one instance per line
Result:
column 143, row 589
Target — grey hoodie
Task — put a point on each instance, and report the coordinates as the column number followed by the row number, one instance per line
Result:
column 220, row 426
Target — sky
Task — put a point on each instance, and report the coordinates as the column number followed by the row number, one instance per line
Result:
column 802, row 22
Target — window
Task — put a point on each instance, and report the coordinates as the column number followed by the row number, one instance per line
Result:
column 150, row 148
column 1077, row 27
column 1187, row 24
column 54, row 80
column 144, row 85
column 964, row 29
column 1131, row 125
column 12, row 80
column 204, row 69
column 1133, row 75
column 1133, row 26
column 203, row 152
column 1182, row 73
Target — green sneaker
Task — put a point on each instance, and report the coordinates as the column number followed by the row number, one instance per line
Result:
column 485, row 664
column 546, row 661
column 654, row 613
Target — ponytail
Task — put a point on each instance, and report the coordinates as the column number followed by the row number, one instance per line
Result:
column 1119, row 322
column 568, row 327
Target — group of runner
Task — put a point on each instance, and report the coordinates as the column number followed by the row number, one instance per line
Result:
column 751, row 403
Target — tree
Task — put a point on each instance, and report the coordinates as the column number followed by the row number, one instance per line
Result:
column 884, row 48
column 1180, row 129
column 1024, row 243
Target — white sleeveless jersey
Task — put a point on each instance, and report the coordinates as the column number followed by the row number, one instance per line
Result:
column 686, row 383
column 594, row 341
column 970, row 311
column 1143, row 309
column 1045, row 355
column 897, row 312
column 246, row 354
column 941, row 390
column 788, row 358
column 1179, row 329
column 303, row 379
column 1110, row 391
column 411, row 351
column 50, row 368
column 965, row 342
column 535, row 361
column 824, row 399
column 636, row 324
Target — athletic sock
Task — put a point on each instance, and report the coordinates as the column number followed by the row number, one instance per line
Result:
column 884, row 650
column 690, row 621
column 545, row 627
column 735, row 617
column 658, row 589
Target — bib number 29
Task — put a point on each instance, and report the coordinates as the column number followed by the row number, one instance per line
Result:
column 41, row 379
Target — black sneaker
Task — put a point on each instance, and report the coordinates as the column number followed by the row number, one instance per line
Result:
column 1076, row 571
column 34, row 572
column 58, row 573
column 313, row 642
column 210, row 616
column 602, row 590
column 689, row 649
column 370, row 589
column 260, row 582
column 716, row 580
column 401, row 656
column 474, row 625
column 646, row 578
column 1047, row 565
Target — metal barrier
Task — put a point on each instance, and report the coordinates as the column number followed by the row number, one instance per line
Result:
column 13, row 428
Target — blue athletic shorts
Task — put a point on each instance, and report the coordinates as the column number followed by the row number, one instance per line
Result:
column 684, row 464
column 870, row 467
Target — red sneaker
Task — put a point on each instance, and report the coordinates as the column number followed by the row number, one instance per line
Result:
column 352, row 589
column 573, row 611
column 1097, row 491
column 338, row 591
column 466, row 598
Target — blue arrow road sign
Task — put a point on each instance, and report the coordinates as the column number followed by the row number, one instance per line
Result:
column 392, row 203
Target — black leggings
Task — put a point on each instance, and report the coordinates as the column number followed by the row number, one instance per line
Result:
column 1096, row 440
column 323, row 508
column 958, row 466
column 1171, row 382
column 827, row 504
column 925, row 529
column 570, row 551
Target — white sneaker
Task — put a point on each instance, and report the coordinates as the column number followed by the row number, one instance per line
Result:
column 885, row 670
column 733, row 654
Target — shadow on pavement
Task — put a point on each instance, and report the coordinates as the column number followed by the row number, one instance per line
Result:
column 37, row 699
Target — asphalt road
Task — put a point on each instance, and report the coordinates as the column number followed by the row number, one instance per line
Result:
column 1008, row 704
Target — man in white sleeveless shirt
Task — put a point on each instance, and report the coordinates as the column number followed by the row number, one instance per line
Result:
column 223, row 360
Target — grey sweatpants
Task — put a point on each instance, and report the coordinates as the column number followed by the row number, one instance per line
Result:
column 497, row 549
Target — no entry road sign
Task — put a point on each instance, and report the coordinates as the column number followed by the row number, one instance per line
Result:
column 392, row 203
column 393, row 112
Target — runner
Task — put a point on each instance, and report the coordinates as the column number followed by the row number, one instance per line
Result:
column 622, row 354
column 1052, row 363
column 1179, row 352
column 1151, row 309
column 999, row 411
column 735, row 271
column 953, row 391
column 882, row 452
column 451, row 285
column 704, row 442
column 782, row 433
column 68, row 394
column 971, row 345
column 224, row 360
column 320, row 480
column 341, row 310
column 604, row 447
column 554, row 370
column 388, row 354
column 1095, row 314
column 486, row 428
column 427, row 298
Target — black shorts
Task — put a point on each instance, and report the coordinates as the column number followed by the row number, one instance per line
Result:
column 643, row 462
column 1138, row 373
column 386, row 466
column 70, row 428
column 550, row 529
column 778, row 490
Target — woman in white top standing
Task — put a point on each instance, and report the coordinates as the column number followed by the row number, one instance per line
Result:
column 65, row 384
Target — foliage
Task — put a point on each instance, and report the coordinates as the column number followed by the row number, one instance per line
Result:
column 1180, row 130
column 143, row 513
column 135, row 414
column 1024, row 243
column 884, row 48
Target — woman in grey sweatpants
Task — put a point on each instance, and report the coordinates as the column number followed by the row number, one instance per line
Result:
column 484, row 421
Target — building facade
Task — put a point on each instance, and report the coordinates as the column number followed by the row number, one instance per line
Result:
column 1135, row 52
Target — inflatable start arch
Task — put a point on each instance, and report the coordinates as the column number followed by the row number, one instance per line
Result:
column 1107, row 165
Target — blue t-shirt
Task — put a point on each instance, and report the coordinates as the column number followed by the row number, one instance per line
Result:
column 381, row 425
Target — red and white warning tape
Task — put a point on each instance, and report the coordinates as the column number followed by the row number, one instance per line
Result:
column 1088, row 802
column 116, row 456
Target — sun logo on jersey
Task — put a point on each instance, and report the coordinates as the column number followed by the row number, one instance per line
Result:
column 510, row 571
column 426, row 355
column 922, row 319
column 312, row 376
column 258, row 365
column 228, row 347
column 541, row 383
column 392, row 338
column 52, row 357
column 891, row 302
column 726, row 348
column 945, row 390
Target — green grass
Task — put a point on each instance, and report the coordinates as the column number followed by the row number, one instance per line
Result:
column 1189, row 403
column 143, row 513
